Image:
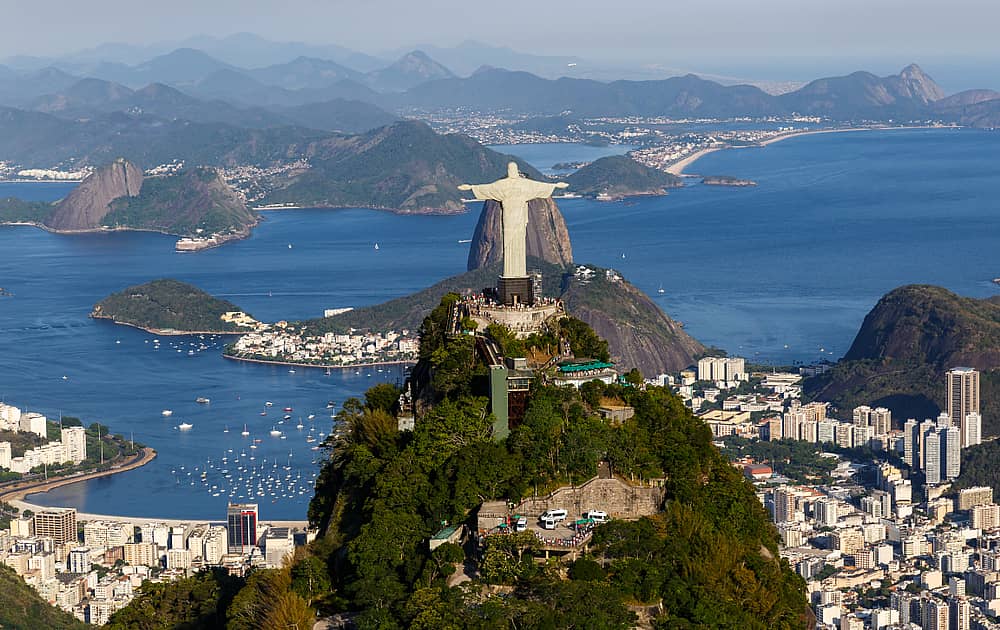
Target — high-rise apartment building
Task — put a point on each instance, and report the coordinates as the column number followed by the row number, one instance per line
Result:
column 241, row 519
column 972, row 429
column 968, row 498
column 74, row 441
column 59, row 524
column 962, row 385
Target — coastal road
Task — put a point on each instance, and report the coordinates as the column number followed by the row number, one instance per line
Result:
column 18, row 491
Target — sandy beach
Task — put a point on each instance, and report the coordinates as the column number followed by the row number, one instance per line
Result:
column 677, row 168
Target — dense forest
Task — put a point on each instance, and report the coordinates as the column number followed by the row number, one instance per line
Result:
column 709, row 559
column 21, row 608
column 167, row 305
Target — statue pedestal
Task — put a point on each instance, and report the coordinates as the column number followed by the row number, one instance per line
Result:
column 511, row 291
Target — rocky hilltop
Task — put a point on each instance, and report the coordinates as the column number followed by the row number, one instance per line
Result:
column 617, row 176
column 913, row 335
column 194, row 202
column 547, row 239
column 639, row 334
column 88, row 204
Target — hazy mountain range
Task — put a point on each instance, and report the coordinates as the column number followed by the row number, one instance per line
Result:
column 207, row 86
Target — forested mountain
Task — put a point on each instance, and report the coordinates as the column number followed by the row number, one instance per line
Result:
column 706, row 557
column 909, row 339
column 405, row 167
column 166, row 305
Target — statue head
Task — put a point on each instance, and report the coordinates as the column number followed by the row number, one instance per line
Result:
column 512, row 170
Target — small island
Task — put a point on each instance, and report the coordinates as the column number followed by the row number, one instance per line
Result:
column 617, row 176
column 727, row 180
column 171, row 307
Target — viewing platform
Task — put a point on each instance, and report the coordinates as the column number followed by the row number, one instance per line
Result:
column 522, row 319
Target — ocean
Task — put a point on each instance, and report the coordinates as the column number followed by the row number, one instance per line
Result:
column 780, row 273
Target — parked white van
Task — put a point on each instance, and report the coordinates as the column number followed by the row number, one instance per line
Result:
column 548, row 523
column 521, row 524
column 597, row 516
column 554, row 515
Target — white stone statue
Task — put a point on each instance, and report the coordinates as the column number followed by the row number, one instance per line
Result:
column 514, row 192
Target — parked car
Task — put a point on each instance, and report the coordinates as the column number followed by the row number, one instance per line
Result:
column 548, row 523
column 597, row 516
column 556, row 515
column 521, row 524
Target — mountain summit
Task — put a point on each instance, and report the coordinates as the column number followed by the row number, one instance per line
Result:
column 409, row 70
column 914, row 82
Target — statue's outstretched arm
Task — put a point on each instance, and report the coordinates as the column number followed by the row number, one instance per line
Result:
column 465, row 187
column 562, row 185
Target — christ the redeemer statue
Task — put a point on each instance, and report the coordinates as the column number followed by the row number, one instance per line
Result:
column 514, row 192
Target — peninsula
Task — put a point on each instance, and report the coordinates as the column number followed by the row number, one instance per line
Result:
column 193, row 203
column 616, row 176
column 171, row 307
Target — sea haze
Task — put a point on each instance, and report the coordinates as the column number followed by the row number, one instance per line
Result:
column 836, row 221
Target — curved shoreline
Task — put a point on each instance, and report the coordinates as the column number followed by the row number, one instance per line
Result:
column 164, row 332
column 338, row 366
column 18, row 493
column 677, row 168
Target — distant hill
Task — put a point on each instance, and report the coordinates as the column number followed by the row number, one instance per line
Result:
column 303, row 72
column 94, row 97
column 89, row 203
column 409, row 70
column 341, row 115
column 863, row 94
column 470, row 55
column 178, row 67
column 404, row 167
column 167, row 305
column 33, row 138
column 193, row 202
column 859, row 95
column 617, row 176
column 909, row 339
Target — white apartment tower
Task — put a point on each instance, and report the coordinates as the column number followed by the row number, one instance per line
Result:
column 74, row 441
column 972, row 429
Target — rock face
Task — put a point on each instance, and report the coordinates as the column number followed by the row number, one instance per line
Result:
column 639, row 334
column 548, row 238
column 87, row 205
column 915, row 83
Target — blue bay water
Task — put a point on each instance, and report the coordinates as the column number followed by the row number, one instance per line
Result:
column 836, row 221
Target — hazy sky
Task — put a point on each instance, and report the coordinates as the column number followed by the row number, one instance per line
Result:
column 661, row 31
